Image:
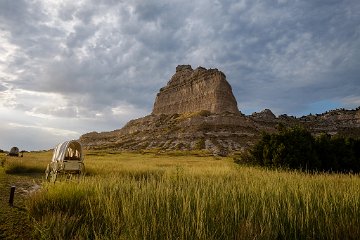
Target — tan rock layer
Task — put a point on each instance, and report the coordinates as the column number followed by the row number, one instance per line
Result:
column 195, row 90
column 215, row 132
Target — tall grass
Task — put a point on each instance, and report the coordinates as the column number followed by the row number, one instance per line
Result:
column 148, row 197
column 30, row 163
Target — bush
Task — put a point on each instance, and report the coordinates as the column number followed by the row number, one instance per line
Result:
column 296, row 148
column 338, row 154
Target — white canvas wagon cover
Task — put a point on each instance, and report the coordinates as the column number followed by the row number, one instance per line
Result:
column 14, row 150
column 69, row 150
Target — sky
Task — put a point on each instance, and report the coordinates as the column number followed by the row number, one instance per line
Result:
column 71, row 67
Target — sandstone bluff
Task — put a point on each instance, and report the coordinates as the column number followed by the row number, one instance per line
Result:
column 197, row 110
column 195, row 90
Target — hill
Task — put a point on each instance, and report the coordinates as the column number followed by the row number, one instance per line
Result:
column 197, row 110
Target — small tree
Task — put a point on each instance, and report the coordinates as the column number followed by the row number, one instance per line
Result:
column 290, row 148
column 296, row 148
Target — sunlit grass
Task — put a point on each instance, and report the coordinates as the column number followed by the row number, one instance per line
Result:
column 150, row 196
column 29, row 163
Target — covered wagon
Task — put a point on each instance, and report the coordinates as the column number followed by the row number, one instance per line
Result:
column 67, row 159
column 14, row 151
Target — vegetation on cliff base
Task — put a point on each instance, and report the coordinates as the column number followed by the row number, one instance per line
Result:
column 296, row 148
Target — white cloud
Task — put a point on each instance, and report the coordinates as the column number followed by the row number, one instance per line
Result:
column 124, row 109
column 32, row 137
column 352, row 101
column 50, row 130
column 7, row 50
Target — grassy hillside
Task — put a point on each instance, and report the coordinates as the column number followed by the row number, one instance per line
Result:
column 151, row 196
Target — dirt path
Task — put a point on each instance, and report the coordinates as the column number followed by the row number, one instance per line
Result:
column 14, row 221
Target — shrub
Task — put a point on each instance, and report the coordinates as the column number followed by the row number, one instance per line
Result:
column 338, row 154
column 296, row 148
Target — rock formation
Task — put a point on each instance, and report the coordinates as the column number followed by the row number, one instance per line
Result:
column 335, row 122
column 266, row 114
column 217, row 133
column 195, row 90
column 197, row 110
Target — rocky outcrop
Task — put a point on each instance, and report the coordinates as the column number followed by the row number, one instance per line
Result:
column 197, row 110
column 216, row 133
column 335, row 122
column 266, row 115
column 195, row 90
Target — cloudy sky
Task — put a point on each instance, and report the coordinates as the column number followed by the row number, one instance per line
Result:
column 70, row 67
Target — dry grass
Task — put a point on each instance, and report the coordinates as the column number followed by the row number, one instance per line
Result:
column 152, row 196
column 149, row 196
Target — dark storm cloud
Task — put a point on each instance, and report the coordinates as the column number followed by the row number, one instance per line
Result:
column 276, row 54
column 307, row 48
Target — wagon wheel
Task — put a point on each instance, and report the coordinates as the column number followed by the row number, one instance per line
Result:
column 81, row 170
column 47, row 172
column 68, row 176
column 53, row 175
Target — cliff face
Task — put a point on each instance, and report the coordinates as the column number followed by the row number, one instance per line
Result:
column 197, row 110
column 341, row 122
column 195, row 90
column 217, row 133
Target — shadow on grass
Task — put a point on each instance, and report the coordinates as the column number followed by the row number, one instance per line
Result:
column 23, row 169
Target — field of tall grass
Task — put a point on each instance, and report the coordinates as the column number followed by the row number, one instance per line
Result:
column 149, row 196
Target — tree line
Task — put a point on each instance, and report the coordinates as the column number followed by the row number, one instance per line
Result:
column 297, row 148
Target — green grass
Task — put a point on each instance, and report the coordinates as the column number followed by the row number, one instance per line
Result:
column 19, row 166
column 152, row 196
column 15, row 223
